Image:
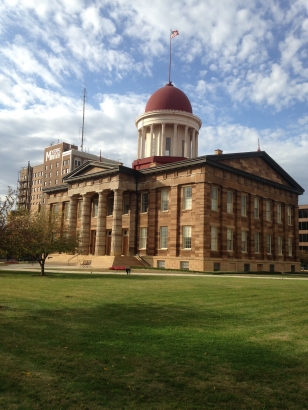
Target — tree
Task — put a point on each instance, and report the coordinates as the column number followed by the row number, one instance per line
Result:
column 37, row 235
column 303, row 257
column 6, row 206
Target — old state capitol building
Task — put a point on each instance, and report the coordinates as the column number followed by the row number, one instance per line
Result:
column 228, row 212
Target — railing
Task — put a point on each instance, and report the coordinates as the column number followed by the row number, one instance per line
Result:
column 143, row 261
column 68, row 262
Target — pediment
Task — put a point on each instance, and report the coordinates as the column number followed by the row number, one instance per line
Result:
column 258, row 164
column 89, row 168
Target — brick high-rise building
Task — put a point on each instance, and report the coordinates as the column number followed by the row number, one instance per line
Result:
column 59, row 160
column 303, row 227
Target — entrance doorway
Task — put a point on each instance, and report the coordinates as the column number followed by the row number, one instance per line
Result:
column 108, row 241
column 92, row 242
column 125, row 242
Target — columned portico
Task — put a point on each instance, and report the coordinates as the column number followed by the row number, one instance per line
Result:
column 116, row 239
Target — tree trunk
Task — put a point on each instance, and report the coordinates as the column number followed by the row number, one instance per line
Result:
column 42, row 264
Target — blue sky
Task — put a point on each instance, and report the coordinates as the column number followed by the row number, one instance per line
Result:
column 242, row 63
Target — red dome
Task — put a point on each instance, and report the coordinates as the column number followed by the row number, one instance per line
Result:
column 168, row 98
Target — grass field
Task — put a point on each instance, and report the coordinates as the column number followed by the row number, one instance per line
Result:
column 73, row 341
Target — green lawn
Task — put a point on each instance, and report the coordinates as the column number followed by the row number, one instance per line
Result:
column 152, row 342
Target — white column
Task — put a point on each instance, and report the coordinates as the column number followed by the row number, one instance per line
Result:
column 174, row 143
column 186, row 142
column 143, row 142
column 158, row 142
column 193, row 153
column 163, row 143
column 139, row 145
column 151, row 140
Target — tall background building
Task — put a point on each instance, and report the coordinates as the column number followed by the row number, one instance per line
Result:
column 59, row 160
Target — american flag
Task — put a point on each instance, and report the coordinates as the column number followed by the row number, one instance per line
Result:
column 174, row 33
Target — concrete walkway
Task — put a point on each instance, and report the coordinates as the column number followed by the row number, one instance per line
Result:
column 65, row 269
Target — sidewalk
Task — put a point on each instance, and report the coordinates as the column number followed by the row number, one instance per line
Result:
column 24, row 267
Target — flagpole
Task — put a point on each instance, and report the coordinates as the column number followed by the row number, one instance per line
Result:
column 170, row 56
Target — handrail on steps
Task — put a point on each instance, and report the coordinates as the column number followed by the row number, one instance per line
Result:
column 76, row 254
column 143, row 260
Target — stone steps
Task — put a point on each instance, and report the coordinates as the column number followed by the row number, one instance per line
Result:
column 104, row 262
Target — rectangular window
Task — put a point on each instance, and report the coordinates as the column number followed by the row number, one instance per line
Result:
column 187, row 197
column 290, row 246
column 279, row 213
column 244, row 205
column 303, row 213
column 164, row 200
column 269, row 244
column 168, row 146
column 257, row 208
column 214, row 198
column 268, row 211
column 144, row 202
column 279, row 245
column 186, row 237
column 229, row 239
column 79, row 209
column 244, row 241
column 110, row 200
column 257, row 242
column 229, row 202
column 216, row 266
column 161, row 264
column 184, row 265
column 214, row 238
column 66, row 209
column 183, row 148
column 272, row 268
column 94, row 208
column 57, row 164
column 143, row 238
column 163, row 237
column 125, row 204
column 289, row 210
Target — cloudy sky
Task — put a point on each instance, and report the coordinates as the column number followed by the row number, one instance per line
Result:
column 242, row 63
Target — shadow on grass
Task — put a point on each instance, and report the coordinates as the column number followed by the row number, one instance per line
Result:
column 145, row 356
column 85, row 275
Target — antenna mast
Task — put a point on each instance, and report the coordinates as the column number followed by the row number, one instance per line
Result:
column 83, row 111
